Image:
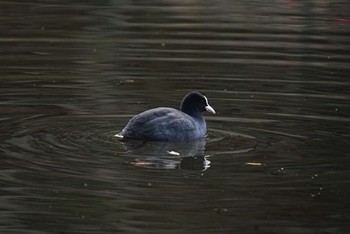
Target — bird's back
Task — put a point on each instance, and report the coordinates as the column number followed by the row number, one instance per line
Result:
column 164, row 124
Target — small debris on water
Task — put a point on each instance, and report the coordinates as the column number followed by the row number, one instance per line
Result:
column 220, row 210
column 140, row 163
column 173, row 153
column 253, row 164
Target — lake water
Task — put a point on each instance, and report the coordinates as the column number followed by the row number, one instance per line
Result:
column 276, row 158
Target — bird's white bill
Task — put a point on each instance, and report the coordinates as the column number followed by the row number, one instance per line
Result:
column 210, row 109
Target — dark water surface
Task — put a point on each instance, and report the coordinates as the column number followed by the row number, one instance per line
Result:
column 276, row 159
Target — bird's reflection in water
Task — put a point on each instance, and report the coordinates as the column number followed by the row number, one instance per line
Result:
column 187, row 155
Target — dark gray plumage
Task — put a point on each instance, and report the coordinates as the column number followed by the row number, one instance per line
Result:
column 169, row 124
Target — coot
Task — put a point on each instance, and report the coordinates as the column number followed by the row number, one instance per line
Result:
column 169, row 124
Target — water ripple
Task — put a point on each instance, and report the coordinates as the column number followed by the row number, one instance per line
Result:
column 315, row 117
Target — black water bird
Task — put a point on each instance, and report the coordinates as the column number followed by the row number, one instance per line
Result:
column 169, row 124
